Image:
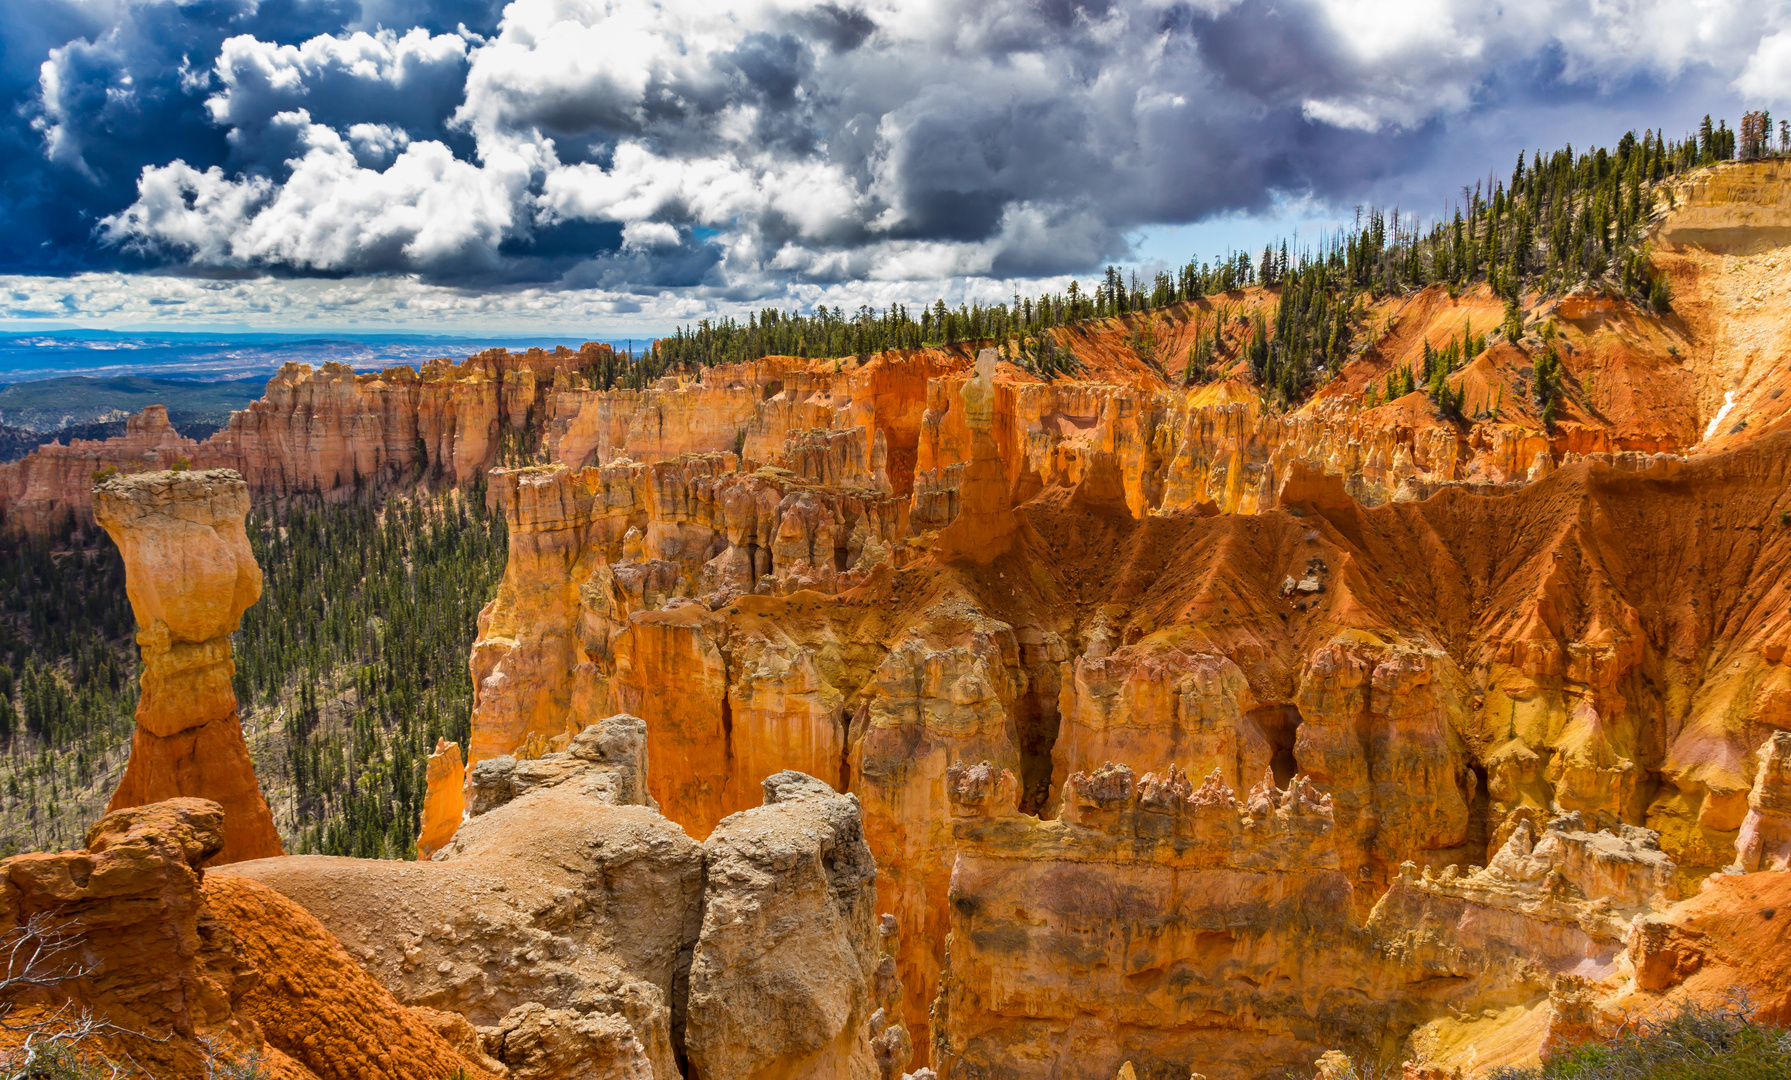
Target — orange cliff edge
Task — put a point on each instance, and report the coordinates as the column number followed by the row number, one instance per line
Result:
column 329, row 431
column 190, row 575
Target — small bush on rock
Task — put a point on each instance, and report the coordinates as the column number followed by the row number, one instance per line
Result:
column 1697, row 1043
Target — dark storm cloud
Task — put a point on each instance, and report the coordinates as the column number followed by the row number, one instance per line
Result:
column 91, row 91
column 743, row 147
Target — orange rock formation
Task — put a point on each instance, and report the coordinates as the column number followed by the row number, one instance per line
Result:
column 192, row 974
column 327, row 430
column 190, row 576
column 1166, row 927
column 446, row 804
column 1150, row 915
column 1472, row 701
column 1451, row 630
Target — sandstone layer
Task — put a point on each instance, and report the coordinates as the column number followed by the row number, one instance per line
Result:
column 190, row 575
column 1389, row 641
column 1764, row 842
column 1153, row 922
column 1163, row 927
column 1444, row 669
column 781, row 981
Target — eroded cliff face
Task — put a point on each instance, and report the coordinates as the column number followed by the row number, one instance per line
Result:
column 52, row 486
column 328, row 431
column 190, row 575
column 1469, row 703
column 1451, row 629
column 558, row 920
column 1158, row 928
column 1153, row 921
column 1443, row 670
column 782, row 977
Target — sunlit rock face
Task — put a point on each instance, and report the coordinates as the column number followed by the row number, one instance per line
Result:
column 1443, row 668
column 1153, row 921
column 445, row 805
column 190, row 575
column 580, row 932
column 51, row 487
column 1764, row 842
column 1481, row 645
column 326, row 431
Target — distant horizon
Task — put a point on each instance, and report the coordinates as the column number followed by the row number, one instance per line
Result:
column 38, row 354
column 16, row 330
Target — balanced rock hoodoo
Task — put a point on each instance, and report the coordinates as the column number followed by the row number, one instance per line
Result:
column 190, row 575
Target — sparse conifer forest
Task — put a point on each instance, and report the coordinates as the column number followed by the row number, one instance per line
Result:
column 1565, row 220
column 355, row 661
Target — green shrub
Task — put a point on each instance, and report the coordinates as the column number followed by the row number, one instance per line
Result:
column 1697, row 1043
column 54, row 1061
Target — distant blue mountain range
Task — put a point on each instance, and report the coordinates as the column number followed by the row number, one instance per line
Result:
column 48, row 354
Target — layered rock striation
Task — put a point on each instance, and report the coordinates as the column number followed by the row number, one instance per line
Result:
column 1154, row 922
column 1472, row 700
column 1444, row 669
column 1161, row 928
column 190, row 575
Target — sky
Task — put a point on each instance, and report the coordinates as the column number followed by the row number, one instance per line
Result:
column 601, row 168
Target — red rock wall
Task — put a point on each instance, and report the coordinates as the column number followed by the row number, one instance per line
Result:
column 329, row 431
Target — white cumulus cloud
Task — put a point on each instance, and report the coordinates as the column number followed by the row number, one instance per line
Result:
column 427, row 208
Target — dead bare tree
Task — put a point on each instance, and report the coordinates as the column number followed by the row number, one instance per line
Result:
column 42, row 958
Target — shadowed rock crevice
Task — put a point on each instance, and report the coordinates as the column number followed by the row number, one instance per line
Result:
column 1279, row 726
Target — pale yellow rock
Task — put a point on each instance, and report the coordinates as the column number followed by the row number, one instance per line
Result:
column 781, row 980
column 190, row 575
column 1764, row 842
column 1334, row 1065
column 979, row 392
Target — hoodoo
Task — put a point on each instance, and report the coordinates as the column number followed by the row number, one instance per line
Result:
column 190, row 575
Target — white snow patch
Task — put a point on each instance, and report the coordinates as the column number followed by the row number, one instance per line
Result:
column 1728, row 404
